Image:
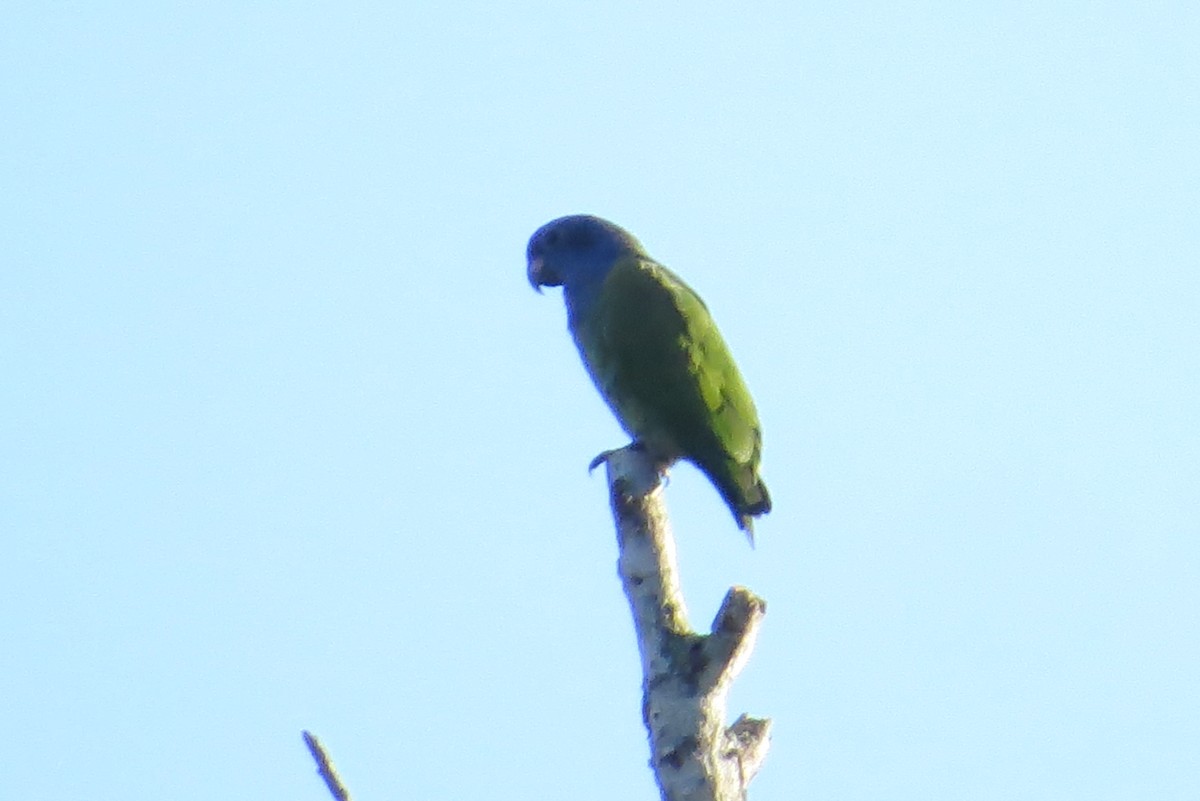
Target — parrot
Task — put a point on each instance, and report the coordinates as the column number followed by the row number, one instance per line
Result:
column 654, row 353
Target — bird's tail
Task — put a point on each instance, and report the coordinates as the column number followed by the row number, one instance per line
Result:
column 748, row 502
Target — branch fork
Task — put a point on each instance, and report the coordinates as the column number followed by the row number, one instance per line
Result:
column 686, row 675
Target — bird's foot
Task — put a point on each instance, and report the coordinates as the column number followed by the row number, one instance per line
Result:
column 603, row 456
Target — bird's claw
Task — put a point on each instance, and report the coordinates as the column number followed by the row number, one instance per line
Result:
column 600, row 459
column 603, row 456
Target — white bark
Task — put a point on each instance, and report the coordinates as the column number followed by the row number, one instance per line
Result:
column 686, row 675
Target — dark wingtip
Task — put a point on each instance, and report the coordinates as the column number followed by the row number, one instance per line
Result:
column 747, row 512
column 764, row 502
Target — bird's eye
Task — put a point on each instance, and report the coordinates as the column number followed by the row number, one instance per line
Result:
column 552, row 237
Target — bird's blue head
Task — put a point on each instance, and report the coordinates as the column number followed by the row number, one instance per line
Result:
column 576, row 253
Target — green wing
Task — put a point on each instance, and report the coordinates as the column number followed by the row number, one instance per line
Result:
column 658, row 359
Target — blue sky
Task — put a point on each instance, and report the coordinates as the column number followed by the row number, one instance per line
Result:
column 287, row 441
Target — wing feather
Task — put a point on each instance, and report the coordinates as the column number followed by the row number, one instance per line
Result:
column 658, row 359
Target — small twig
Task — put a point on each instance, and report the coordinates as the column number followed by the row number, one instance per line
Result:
column 325, row 768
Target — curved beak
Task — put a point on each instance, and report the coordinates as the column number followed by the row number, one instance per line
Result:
column 534, row 273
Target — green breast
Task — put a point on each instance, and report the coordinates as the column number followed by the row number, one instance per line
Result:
column 658, row 359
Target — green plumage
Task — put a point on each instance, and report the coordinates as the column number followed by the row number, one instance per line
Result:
column 656, row 355
column 658, row 359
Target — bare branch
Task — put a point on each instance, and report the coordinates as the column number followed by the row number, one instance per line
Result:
column 325, row 768
column 686, row 675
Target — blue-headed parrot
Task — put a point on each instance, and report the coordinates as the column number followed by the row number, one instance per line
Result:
column 654, row 353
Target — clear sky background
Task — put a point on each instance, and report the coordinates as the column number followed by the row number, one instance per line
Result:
column 287, row 441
